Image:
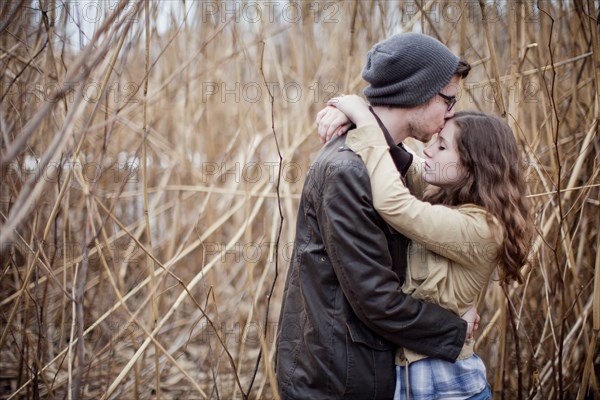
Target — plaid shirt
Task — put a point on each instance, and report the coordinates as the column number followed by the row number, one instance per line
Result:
column 433, row 378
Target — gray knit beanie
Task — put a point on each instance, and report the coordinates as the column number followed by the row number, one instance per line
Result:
column 407, row 70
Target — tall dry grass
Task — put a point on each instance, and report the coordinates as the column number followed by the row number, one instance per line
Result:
column 152, row 162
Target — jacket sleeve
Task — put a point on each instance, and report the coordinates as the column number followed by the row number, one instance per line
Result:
column 463, row 234
column 358, row 251
column 414, row 176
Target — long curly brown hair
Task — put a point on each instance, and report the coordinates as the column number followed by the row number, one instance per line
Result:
column 493, row 179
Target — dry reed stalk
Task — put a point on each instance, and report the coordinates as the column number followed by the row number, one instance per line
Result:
column 79, row 340
column 502, row 348
column 593, row 27
column 149, row 263
column 175, row 305
column 109, row 242
column 28, row 197
column 352, row 38
column 494, row 60
column 517, row 60
column 78, row 67
column 159, row 347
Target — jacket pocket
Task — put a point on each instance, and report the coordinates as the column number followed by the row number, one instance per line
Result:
column 369, row 361
column 360, row 334
column 418, row 262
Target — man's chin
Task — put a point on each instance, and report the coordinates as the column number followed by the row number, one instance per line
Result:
column 427, row 138
column 424, row 137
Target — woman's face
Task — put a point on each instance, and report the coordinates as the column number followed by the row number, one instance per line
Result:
column 442, row 164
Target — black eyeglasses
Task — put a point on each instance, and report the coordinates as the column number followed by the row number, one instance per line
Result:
column 450, row 100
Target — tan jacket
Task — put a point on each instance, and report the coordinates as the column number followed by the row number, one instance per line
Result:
column 454, row 250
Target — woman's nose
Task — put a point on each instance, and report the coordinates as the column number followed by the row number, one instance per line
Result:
column 426, row 151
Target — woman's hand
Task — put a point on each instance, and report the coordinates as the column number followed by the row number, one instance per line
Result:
column 355, row 108
column 472, row 319
column 331, row 122
column 339, row 115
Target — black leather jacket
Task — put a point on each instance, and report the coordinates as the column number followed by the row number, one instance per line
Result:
column 343, row 311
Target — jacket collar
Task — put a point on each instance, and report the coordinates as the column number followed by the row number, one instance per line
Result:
column 402, row 158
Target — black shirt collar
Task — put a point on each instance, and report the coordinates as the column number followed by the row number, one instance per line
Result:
column 402, row 158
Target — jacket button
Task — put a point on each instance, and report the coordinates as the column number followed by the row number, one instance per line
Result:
column 323, row 259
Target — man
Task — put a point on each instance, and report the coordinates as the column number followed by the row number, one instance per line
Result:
column 343, row 312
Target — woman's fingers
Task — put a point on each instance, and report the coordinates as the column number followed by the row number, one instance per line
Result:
column 324, row 121
column 338, row 121
column 472, row 318
column 330, row 122
column 321, row 130
column 337, row 117
column 352, row 106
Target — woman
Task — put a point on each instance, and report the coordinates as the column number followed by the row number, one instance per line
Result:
column 473, row 218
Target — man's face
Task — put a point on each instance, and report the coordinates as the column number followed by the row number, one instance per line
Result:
column 430, row 118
